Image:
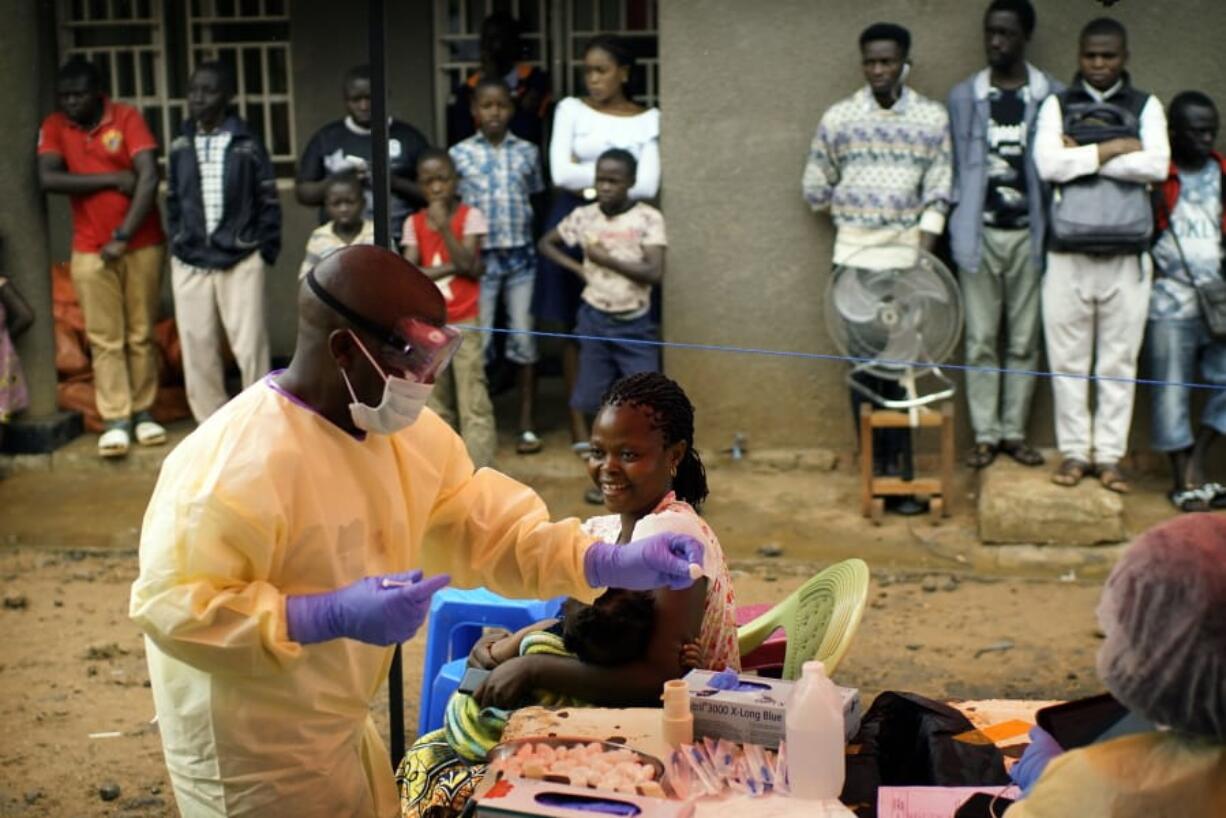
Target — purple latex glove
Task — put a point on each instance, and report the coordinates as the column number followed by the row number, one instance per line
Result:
column 658, row 561
column 1042, row 749
column 729, row 680
column 726, row 679
column 382, row 610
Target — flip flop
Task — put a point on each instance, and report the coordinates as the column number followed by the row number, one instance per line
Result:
column 981, row 456
column 528, row 443
column 1071, row 472
column 1113, row 479
column 1022, row 452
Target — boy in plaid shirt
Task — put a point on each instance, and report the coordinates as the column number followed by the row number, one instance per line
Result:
column 499, row 173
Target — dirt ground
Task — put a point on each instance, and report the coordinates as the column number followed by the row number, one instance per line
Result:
column 74, row 694
column 75, row 700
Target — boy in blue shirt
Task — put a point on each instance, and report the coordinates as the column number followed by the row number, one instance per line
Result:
column 499, row 173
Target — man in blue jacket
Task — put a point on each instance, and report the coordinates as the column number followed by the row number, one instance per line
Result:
column 225, row 227
column 996, row 230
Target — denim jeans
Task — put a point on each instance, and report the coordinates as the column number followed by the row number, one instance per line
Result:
column 511, row 272
column 1172, row 349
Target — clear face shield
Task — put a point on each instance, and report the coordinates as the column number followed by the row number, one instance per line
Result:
column 412, row 348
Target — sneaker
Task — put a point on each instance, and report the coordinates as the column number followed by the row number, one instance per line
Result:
column 114, row 442
column 148, row 431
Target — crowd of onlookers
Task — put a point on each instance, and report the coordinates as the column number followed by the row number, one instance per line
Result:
column 1086, row 215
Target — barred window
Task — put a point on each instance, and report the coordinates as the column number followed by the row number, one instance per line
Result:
column 554, row 34
column 457, row 48
column 634, row 21
column 146, row 50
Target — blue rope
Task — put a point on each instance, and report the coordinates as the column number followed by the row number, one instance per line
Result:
column 822, row 356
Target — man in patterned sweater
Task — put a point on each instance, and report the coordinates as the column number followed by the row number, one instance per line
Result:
column 880, row 162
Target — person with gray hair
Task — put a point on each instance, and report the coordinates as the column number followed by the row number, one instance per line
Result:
column 1164, row 657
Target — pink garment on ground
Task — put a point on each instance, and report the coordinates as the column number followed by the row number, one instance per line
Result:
column 717, row 638
column 13, row 394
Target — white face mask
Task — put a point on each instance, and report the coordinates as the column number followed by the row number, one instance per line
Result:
column 400, row 407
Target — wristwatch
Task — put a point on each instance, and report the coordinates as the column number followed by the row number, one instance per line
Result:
column 120, row 235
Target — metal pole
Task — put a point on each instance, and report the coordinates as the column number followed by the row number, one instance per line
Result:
column 380, row 191
column 378, row 121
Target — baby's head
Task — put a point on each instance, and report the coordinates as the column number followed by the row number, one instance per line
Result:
column 613, row 630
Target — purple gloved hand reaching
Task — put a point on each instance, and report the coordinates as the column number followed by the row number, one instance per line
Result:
column 658, row 561
column 381, row 611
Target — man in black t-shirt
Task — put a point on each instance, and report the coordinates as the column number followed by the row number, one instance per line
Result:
column 344, row 145
column 996, row 231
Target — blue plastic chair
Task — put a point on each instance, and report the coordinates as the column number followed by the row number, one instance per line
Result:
column 457, row 618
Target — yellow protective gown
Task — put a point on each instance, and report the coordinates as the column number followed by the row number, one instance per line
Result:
column 267, row 499
column 1149, row 775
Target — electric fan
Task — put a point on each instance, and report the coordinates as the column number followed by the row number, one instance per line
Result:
column 897, row 312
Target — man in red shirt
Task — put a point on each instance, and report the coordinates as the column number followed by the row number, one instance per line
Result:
column 101, row 154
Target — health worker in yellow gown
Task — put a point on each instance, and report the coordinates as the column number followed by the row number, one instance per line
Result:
column 283, row 552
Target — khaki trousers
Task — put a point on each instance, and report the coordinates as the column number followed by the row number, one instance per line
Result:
column 120, row 302
column 460, row 394
column 1094, row 310
column 208, row 303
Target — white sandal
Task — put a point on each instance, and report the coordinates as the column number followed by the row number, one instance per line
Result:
column 114, row 442
column 150, row 433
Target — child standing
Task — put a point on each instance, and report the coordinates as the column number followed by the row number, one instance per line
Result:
column 623, row 257
column 499, row 173
column 444, row 239
column 15, row 318
column 344, row 202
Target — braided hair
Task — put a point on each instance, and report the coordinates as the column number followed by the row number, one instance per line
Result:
column 673, row 415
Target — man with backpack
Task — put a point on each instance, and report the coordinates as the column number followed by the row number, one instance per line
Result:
column 1100, row 143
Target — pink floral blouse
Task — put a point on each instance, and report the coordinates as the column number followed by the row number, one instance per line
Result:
column 717, row 638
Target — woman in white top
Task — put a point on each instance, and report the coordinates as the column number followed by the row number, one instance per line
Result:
column 584, row 128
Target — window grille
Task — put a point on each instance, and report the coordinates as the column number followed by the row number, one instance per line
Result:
column 146, row 50
column 555, row 33
column 457, row 48
column 636, row 22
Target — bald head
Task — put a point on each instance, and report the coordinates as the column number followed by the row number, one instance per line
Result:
column 377, row 284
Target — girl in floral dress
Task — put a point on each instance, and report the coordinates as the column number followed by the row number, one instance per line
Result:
column 15, row 318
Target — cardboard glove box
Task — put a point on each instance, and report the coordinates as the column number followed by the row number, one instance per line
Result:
column 754, row 716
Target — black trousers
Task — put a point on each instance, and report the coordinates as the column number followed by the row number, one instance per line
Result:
column 891, row 447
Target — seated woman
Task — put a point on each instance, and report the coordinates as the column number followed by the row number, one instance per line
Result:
column 1164, row 657
column 644, row 463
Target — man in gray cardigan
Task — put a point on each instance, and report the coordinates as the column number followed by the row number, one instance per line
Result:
column 996, row 230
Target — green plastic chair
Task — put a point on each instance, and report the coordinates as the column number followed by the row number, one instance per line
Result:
column 820, row 617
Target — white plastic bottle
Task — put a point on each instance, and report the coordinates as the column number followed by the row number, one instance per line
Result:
column 814, row 723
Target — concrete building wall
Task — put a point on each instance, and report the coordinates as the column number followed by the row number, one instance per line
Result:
column 743, row 87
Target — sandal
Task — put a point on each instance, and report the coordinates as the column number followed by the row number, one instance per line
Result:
column 528, row 443
column 1191, row 500
column 1071, row 472
column 1023, row 452
column 981, row 456
column 1113, row 479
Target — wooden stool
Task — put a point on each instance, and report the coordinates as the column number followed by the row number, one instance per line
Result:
column 874, row 490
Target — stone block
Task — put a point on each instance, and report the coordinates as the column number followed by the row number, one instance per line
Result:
column 1019, row 505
